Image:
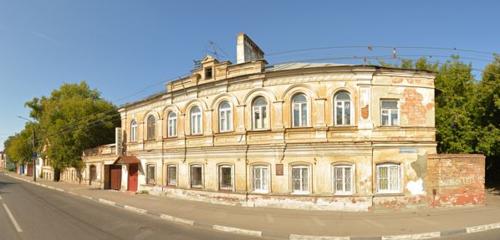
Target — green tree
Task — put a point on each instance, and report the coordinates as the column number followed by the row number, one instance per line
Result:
column 73, row 118
column 19, row 147
column 487, row 116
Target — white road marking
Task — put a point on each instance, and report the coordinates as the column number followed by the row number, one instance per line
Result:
column 237, row 230
column 413, row 236
column 310, row 237
column 482, row 228
column 0, row 197
column 12, row 219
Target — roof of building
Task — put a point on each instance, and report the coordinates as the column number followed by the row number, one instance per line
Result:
column 285, row 67
column 299, row 65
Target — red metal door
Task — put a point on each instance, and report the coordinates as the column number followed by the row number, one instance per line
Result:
column 133, row 172
column 115, row 172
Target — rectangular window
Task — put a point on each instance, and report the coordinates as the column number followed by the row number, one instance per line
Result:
column 208, row 73
column 260, row 179
column 389, row 113
column 150, row 174
column 343, row 179
column 171, row 175
column 300, row 179
column 388, row 178
column 172, row 126
column 225, row 178
column 196, row 176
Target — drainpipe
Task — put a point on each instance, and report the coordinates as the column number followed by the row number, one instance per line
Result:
column 374, row 178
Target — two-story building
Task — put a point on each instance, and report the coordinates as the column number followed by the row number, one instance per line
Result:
column 297, row 135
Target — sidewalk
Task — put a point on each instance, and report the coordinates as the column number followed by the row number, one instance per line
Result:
column 299, row 224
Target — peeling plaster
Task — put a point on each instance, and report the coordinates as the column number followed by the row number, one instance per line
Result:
column 416, row 187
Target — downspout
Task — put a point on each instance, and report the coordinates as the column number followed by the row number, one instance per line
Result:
column 246, row 166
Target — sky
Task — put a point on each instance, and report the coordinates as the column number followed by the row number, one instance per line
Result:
column 129, row 49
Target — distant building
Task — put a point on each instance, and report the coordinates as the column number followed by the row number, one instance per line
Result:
column 294, row 135
column 3, row 160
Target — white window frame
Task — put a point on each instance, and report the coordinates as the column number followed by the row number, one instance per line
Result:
column 195, row 121
column 148, row 180
column 225, row 117
column 388, row 112
column 262, row 123
column 397, row 186
column 308, row 179
column 191, row 176
column 172, row 124
column 342, row 106
column 175, row 176
column 219, row 170
column 133, row 131
column 264, row 177
column 344, row 185
column 300, row 107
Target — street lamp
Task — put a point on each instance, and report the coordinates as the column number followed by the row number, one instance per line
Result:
column 34, row 155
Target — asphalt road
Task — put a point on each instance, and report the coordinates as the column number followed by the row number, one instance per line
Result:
column 39, row 213
column 31, row 212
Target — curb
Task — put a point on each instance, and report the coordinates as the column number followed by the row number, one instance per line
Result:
column 255, row 233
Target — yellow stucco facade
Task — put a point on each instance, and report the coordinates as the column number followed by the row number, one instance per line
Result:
column 300, row 153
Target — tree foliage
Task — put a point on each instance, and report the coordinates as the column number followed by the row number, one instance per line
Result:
column 467, row 109
column 73, row 118
column 19, row 147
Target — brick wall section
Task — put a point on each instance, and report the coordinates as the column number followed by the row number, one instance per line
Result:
column 455, row 179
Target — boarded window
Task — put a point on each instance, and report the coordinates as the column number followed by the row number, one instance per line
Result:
column 171, row 175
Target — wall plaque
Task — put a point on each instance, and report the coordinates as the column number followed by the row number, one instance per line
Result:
column 279, row 169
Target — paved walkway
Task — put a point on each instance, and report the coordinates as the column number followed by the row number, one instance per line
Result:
column 299, row 224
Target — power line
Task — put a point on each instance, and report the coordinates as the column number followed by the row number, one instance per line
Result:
column 372, row 47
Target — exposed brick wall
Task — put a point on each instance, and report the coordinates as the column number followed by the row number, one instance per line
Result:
column 455, row 179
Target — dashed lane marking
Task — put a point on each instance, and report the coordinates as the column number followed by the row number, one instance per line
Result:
column 12, row 219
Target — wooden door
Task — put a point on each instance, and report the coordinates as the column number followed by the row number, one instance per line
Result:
column 133, row 173
column 115, row 176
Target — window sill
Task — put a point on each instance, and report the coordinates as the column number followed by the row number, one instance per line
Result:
column 301, row 193
column 389, row 194
column 259, row 130
column 169, row 138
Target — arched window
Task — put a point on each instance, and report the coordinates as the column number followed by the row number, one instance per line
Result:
column 172, row 124
column 343, row 108
column 299, row 105
column 151, row 122
column 225, row 117
column 195, row 123
column 259, row 113
column 133, row 131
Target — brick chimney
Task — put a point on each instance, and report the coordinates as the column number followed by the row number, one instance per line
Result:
column 247, row 50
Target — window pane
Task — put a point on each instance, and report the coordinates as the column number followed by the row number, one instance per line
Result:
column 394, row 117
column 296, row 178
column 304, row 115
column 264, row 178
column 296, row 116
column 172, row 175
column 225, row 177
column 305, row 180
column 347, row 113
column 339, row 115
column 196, row 176
column 347, row 177
column 385, row 120
column 390, row 104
